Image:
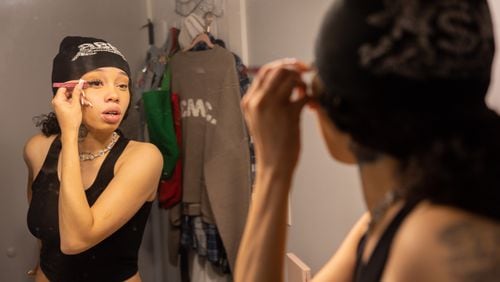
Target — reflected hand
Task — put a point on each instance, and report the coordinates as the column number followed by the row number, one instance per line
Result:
column 273, row 117
column 67, row 106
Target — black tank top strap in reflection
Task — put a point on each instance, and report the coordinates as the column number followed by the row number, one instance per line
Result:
column 374, row 268
column 114, row 258
column 106, row 172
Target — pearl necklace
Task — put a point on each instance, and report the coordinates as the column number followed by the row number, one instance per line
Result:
column 91, row 156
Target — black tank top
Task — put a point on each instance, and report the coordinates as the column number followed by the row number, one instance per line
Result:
column 373, row 269
column 113, row 259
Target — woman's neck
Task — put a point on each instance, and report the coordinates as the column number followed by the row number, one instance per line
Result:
column 378, row 179
column 94, row 141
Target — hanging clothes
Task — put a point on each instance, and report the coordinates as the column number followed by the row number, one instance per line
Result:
column 170, row 190
column 160, row 110
column 152, row 72
column 244, row 80
column 159, row 118
column 216, row 161
column 206, row 241
column 215, row 252
column 202, row 270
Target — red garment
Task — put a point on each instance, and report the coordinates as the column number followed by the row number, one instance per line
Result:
column 170, row 190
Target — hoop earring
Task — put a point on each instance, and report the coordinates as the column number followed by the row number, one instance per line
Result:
column 82, row 132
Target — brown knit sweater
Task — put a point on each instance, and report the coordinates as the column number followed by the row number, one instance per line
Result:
column 216, row 161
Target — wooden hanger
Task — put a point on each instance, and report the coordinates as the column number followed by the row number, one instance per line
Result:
column 202, row 37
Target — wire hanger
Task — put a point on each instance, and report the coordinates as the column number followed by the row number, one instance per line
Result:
column 202, row 37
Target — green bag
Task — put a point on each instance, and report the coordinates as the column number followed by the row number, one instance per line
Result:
column 159, row 119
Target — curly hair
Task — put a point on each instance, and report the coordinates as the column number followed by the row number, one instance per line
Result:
column 47, row 123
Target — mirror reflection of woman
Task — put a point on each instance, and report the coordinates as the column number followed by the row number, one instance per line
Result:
column 90, row 188
column 401, row 93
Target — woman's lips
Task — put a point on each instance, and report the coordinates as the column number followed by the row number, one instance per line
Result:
column 111, row 116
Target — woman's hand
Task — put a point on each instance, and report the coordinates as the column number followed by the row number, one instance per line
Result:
column 68, row 108
column 273, row 117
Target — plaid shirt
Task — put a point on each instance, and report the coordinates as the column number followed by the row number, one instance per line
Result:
column 204, row 238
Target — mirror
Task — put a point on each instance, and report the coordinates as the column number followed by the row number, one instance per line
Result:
column 258, row 31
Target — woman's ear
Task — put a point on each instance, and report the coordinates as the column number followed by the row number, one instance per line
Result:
column 337, row 142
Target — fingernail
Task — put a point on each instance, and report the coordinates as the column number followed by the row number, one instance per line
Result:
column 80, row 83
column 84, row 101
column 82, row 98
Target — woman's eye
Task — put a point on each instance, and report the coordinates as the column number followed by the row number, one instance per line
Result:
column 123, row 86
column 95, row 83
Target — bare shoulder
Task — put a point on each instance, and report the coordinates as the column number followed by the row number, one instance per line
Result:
column 140, row 165
column 141, row 148
column 36, row 149
column 38, row 142
column 439, row 243
column 144, row 153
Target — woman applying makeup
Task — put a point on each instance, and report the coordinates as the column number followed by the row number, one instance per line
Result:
column 90, row 188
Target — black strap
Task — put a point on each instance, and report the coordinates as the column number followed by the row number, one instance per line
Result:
column 50, row 164
column 374, row 268
column 106, row 172
column 104, row 175
column 110, row 161
column 49, row 167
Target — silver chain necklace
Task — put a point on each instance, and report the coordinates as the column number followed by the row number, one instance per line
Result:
column 91, row 156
